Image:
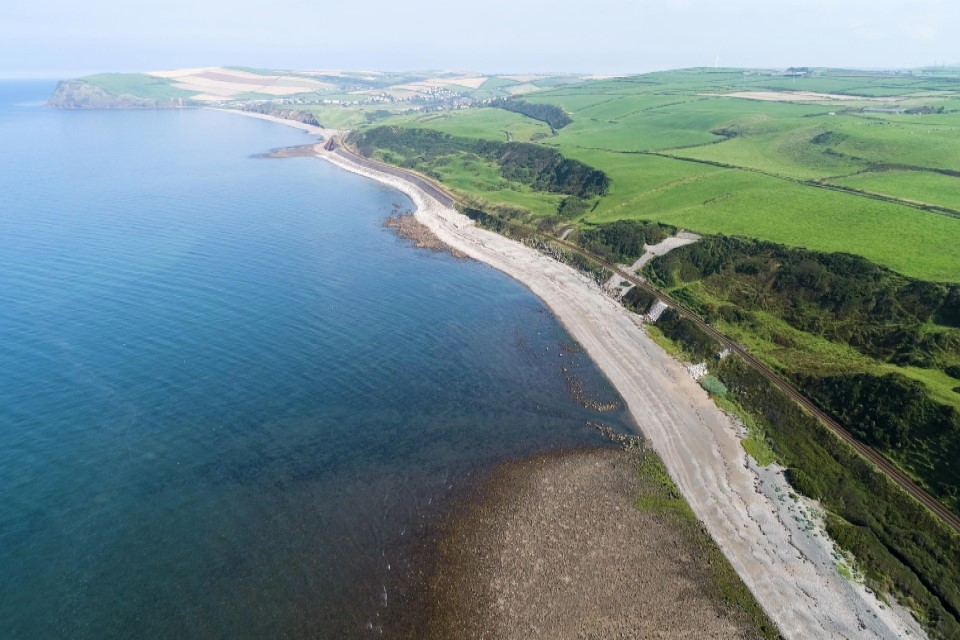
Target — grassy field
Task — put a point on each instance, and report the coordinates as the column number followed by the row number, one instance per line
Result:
column 752, row 167
column 496, row 124
column 482, row 180
column 855, row 174
column 138, row 84
column 920, row 186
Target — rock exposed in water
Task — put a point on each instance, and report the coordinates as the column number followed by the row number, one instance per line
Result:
column 409, row 228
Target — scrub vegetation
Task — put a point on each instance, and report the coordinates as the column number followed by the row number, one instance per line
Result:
column 900, row 547
column 529, row 166
column 865, row 343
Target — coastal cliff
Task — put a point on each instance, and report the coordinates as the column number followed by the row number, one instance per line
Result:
column 294, row 115
column 78, row 94
column 152, row 94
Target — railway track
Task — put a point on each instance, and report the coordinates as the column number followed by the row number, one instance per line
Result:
column 897, row 475
column 892, row 471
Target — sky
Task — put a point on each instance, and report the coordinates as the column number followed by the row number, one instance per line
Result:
column 65, row 38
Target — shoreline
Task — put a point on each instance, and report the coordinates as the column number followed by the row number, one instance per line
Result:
column 538, row 551
column 790, row 570
column 323, row 132
column 786, row 563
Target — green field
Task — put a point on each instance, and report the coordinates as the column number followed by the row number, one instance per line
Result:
column 754, row 168
column 479, row 123
column 918, row 186
column 853, row 296
column 138, row 84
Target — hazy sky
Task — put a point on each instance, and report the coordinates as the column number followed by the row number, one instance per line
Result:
column 72, row 37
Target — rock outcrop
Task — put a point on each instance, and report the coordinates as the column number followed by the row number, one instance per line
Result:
column 78, row 94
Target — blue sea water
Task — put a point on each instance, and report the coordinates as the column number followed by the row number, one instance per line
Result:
column 232, row 404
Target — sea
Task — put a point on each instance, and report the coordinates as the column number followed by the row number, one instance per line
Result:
column 232, row 403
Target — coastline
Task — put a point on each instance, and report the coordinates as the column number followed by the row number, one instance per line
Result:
column 786, row 563
column 540, row 551
column 324, row 133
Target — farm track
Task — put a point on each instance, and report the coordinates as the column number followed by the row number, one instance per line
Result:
column 894, row 473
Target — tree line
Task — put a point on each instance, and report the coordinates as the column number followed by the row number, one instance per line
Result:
column 551, row 114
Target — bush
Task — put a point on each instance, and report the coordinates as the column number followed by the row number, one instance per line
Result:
column 638, row 300
column 623, row 240
column 841, row 297
column 553, row 115
column 713, row 385
column 901, row 546
column 895, row 414
column 541, row 168
column 697, row 344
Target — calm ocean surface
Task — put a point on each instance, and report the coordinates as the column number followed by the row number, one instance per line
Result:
column 231, row 402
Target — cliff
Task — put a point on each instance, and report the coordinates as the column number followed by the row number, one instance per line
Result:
column 79, row 94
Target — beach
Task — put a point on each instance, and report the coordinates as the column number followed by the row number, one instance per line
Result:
column 553, row 546
column 773, row 542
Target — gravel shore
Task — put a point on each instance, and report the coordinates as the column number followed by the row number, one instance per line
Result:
column 784, row 560
column 554, row 547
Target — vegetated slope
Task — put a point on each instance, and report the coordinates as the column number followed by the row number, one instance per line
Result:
column 119, row 91
column 900, row 546
column 553, row 115
column 838, row 175
column 622, row 241
column 526, row 165
column 870, row 346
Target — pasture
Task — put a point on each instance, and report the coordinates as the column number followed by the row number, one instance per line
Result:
column 679, row 150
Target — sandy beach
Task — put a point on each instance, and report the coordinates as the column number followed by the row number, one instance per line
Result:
column 787, row 564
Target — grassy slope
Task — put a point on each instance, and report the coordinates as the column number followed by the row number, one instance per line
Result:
column 617, row 121
column 137, row 84
column 912, row 185
column 773, row 148
column 478, row 123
